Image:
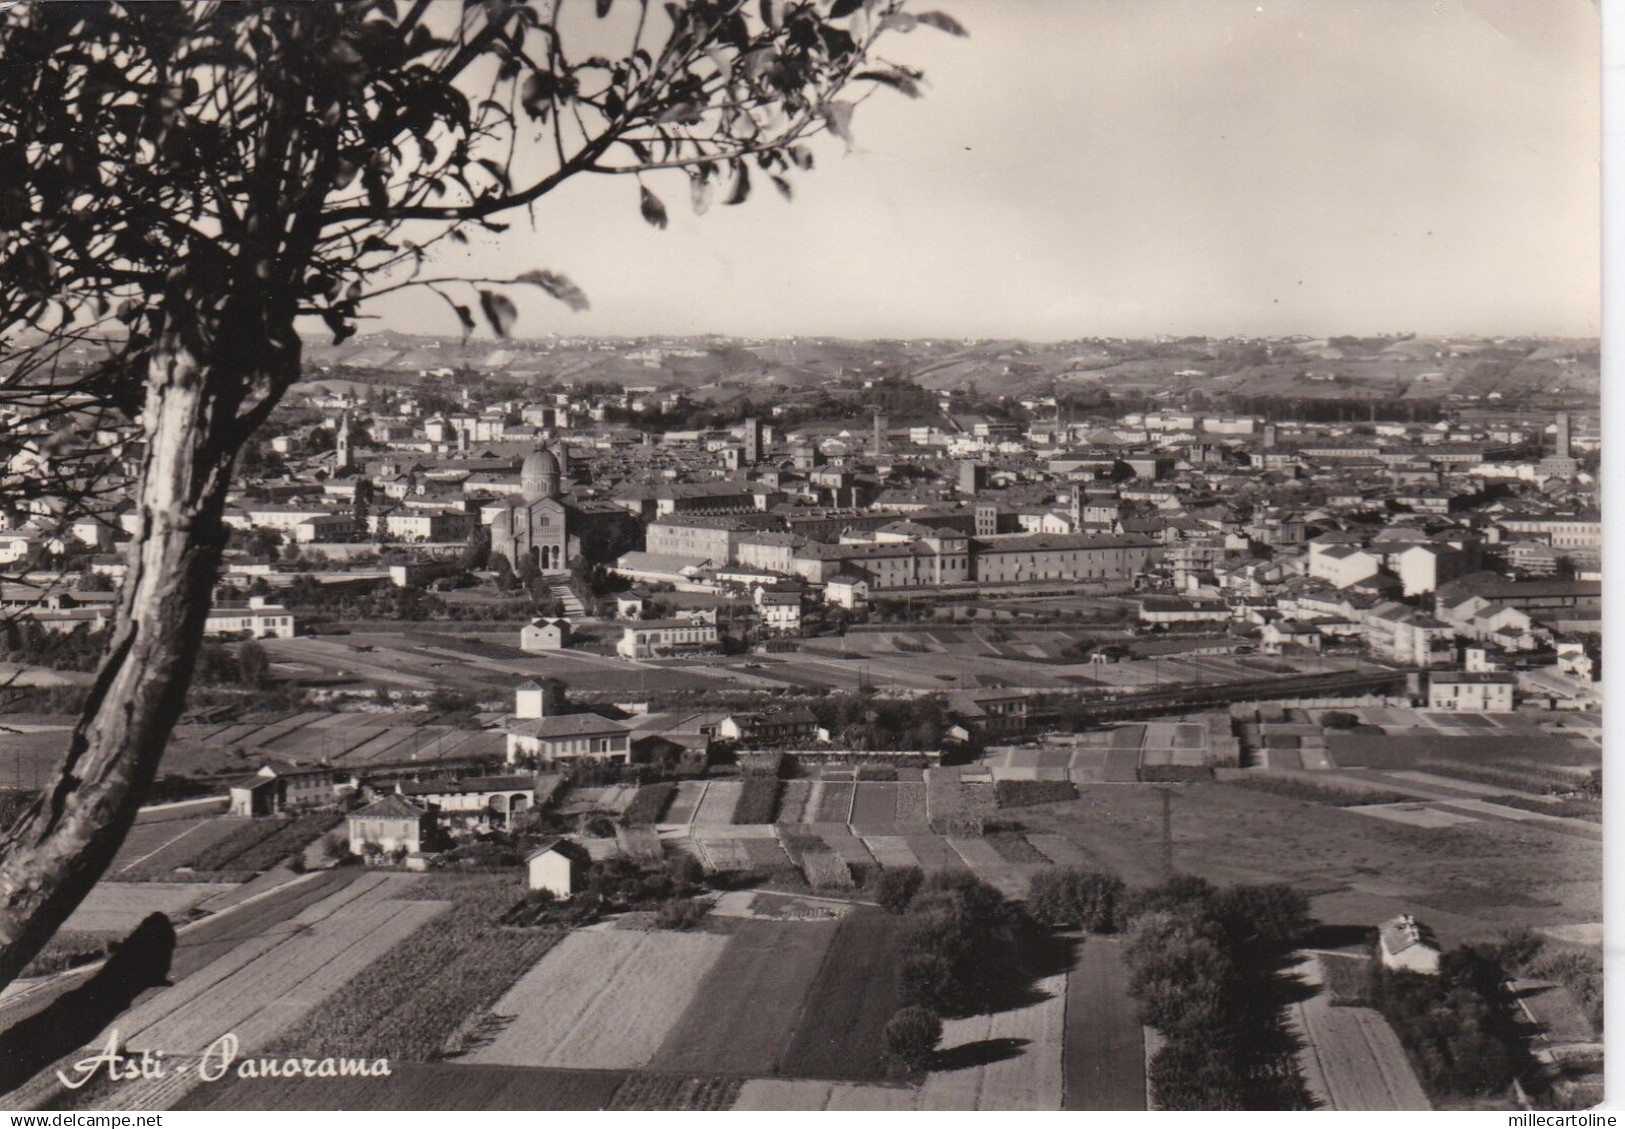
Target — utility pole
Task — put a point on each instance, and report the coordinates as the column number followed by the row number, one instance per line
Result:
column 1167, row 835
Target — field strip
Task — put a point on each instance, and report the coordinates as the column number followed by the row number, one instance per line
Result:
column 259, row 973
column 1105, row 1053
column 183, row 834
column 1058, row 850
column 1352, row 1059
column 890, row 850
column 990, row 866
column 1029, row 1079
column 49, row 983
column 1308, row 1056
column 1470, row 786
column 118, row 907
column 280, row 960
column 1582, row 827
column 815, row 798
column 600, row 1000
column 313, row 970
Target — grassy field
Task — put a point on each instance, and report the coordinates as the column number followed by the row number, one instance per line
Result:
column 1405, row 750
column 1470, row 882
column 744, row 1011
column 837, row 1034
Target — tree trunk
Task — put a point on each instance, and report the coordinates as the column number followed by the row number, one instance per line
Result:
column 57, row 851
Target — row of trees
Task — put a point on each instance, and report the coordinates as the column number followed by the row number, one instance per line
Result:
column 958, row 946
column 1203, row 967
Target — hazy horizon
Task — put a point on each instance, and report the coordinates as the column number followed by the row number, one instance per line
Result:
column 1134, row 168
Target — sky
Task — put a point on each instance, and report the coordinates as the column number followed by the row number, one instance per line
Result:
column 1134, row 167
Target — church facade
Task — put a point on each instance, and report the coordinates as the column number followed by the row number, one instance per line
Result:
column 552, row 528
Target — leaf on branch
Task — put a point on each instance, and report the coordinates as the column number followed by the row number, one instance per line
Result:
column 741, row 188
column 783, row 186
column 838, row 116
column 843, row 8
column 466, row 316
column 773, row 13
column 898, row 21
column 536, row 95
column 342, row 330
column 700, row 191
column 558, row 286
column 603, row 7
column 942, row 22
column 497, row 172
column 684, row 113
column 653, row 210
column 500, row 311
column 894, row 79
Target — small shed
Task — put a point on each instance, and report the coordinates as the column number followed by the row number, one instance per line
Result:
column 558, row 865
column 253, row 795
column 545, row 634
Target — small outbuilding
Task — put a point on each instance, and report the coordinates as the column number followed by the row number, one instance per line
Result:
column 559, row 866
column 1408, row 946
column 545, row 634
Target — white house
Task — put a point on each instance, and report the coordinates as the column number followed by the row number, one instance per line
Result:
column 536, row 733
column 1343, row 565
column 847, row 591
column 1489, row 692
column 257, row 618
column 1409, row 946
column 780, row 611
column 646, row 638
column 393, row 823
column 558, row 866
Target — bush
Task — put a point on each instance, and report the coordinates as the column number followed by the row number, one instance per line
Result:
column 1274, row 913
column 686, row 872
column 877, row 772
column 680, row 913
column 897, row 887
column 1075, row 898
column 1456, row 1027
column 925, row 980
column 1338, row 719
column 911, row 1036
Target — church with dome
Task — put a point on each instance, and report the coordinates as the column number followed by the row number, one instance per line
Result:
column 552, row 527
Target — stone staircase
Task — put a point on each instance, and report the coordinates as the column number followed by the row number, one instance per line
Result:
column 560, row 590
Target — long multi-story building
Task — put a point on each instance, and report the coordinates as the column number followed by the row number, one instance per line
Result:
column 1086, row 557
